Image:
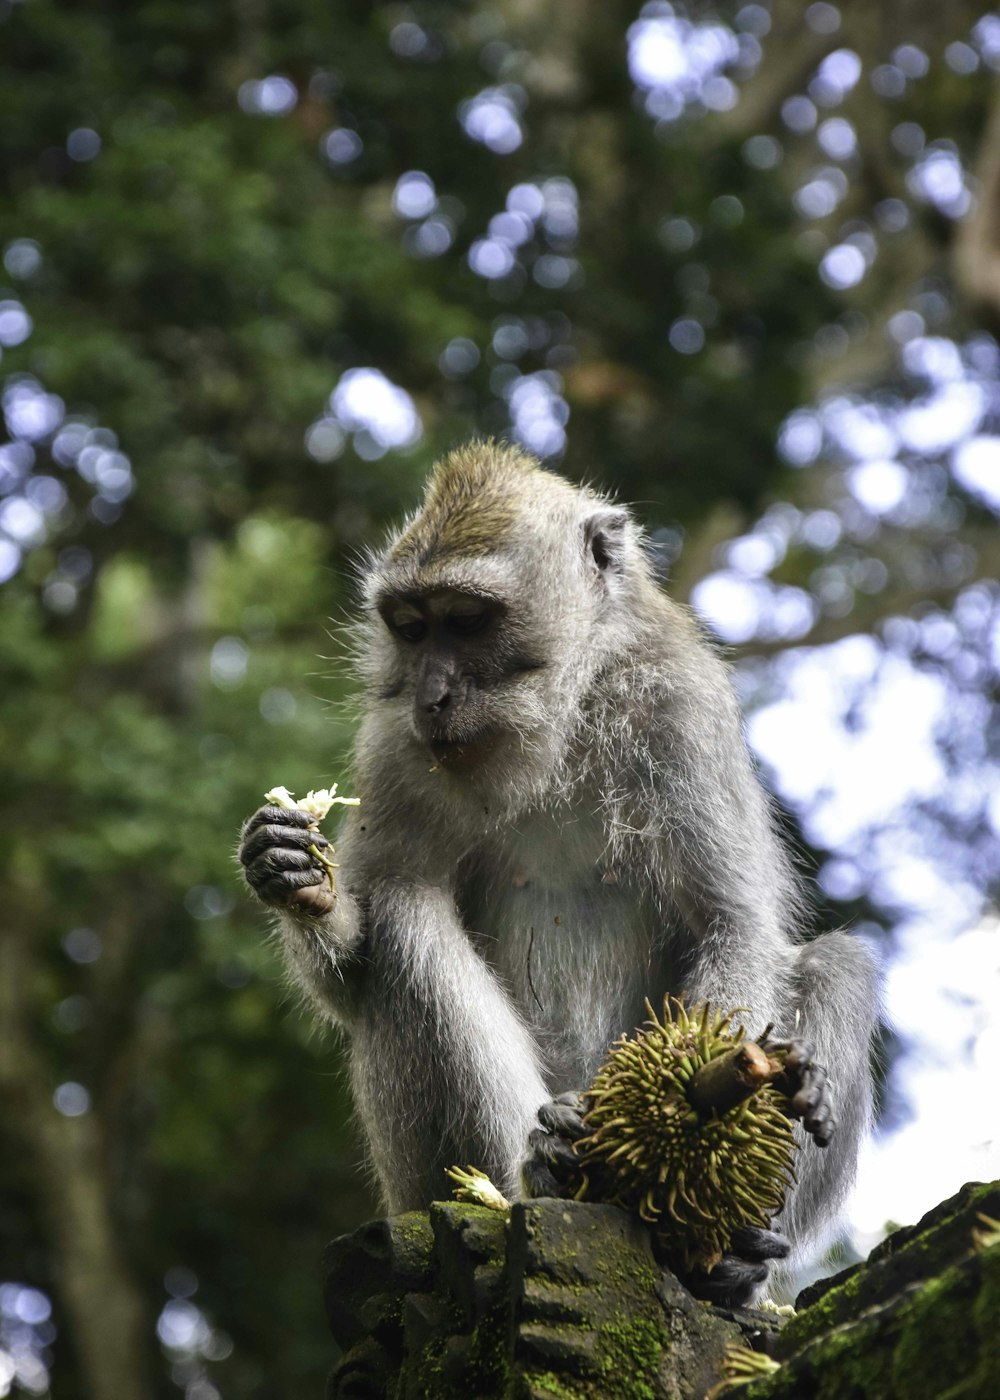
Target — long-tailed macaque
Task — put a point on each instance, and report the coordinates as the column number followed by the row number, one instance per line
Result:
column 559, row 818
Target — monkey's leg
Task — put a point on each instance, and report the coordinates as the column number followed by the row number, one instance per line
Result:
column 444, row 1071
column 834, row 1004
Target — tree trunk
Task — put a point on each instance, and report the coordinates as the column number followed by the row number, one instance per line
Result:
column 102, row 1299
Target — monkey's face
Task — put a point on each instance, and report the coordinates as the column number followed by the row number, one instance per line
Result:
column 462, row 665
column 487, row 617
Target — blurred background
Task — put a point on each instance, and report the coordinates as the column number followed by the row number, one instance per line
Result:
column 261, row 263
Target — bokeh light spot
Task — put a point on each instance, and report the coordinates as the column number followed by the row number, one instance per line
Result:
column 15, row 323
column 414, row 196
column 458, row 358
column 843, row 266
column 273, row 96
column 341, row 146
column 878, row 485
column 762, row 152
column 365, row 401
column 83, row 945
column 492, row 118
column 71, row 1099
column 823, row 18
column 490, row 258
column 975, row 465
column 228, row 663
column 687, row 336
column 22, row 258
column 83, row 144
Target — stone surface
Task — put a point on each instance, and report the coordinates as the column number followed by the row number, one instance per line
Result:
column 367, row 1277
column 918, row 1320
column 564, row 1301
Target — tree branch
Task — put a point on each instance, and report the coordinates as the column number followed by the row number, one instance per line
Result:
column 977, row 244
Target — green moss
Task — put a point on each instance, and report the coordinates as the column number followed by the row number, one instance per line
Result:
column 938, row 1342
column 820, row 1316
column 986, row 1311
column 489, row 1361
column 630, row 1352
column 985, row 1379
column 425, row 1368
column 413, row 1227
column 937, row 1337
column 550, row 1384
column 627, row 1364
column 852, row 1364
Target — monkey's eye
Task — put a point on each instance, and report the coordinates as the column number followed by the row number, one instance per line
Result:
column 409, row 626
column 467, row 622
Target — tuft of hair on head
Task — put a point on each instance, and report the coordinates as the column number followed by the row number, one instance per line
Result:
column 472, row 499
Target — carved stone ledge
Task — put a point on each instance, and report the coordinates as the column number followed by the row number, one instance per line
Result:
column 565, row 1302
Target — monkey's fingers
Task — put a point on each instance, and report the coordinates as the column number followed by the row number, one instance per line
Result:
column 272, row 836
column 798, row 1054
column 810, row 1098
column 801, row 1053
column 733, row 1283
column 756, row 1245
column 804, row 1084
column 537, row 1180
column 736, row 1279
column 287, row 878
column 275, row 816
column 820, row 1123
column 551, row 1163
column 811, row 1091
column 554, row 1151
column 283, row 887
column 563, row 1116
column 275, row 862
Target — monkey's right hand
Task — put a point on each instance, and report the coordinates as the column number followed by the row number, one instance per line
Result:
column 278, row 865
column 552, row 1168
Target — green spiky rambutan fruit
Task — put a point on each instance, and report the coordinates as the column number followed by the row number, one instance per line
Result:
column 687, row 1128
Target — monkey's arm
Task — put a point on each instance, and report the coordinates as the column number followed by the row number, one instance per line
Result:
column 443, row 1068
column 321, row 932
column 712, row 844
column 709, row 842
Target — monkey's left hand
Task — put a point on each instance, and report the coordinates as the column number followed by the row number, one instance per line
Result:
column 804, row 1084
column 738, row 1278
column 552, row 1165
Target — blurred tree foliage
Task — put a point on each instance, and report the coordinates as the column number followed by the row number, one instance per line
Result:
column 198, row 217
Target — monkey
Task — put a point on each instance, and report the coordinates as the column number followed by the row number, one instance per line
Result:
column 559, row 819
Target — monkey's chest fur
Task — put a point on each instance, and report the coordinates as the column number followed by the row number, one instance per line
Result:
column 573, row 942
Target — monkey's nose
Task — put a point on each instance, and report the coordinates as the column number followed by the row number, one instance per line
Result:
column 435, row 695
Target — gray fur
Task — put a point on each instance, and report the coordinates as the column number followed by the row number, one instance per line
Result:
column 498, row 926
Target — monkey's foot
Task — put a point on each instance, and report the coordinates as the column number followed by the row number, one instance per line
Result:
column 551, row 1167
column 739, row 1277
column 804, row 1084
column 282, row 858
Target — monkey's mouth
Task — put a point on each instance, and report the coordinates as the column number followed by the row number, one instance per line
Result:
column 455, row 752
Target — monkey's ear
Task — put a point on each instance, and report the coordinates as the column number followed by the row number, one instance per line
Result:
column 604, row 535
